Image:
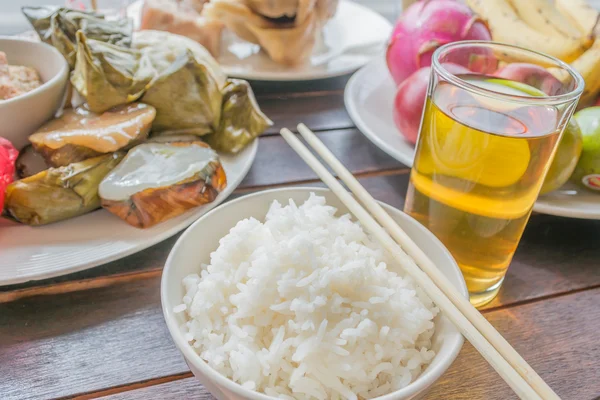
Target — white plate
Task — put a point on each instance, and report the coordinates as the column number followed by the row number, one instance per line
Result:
column 369, row 98
column 245, row 60
column 570, row 201
column 33, row 253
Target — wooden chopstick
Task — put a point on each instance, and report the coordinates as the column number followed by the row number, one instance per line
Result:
column 465, row 307
column 513, row 378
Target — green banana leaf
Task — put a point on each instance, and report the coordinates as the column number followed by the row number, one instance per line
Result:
column 184, row 87
column 58, row 26
column 107, row 75
column 168, row 46
column 59, row 193
column 194, row 110
column 241, row 118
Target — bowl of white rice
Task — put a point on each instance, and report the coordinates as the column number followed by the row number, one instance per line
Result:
column 281, row 294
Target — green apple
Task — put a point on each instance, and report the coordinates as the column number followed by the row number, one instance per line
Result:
column 587, row 171
column 570, row 146
column 566, row 158
column 515, row 88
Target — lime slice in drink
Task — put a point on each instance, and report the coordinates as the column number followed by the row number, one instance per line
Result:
column 458, row 150
column 508, row 87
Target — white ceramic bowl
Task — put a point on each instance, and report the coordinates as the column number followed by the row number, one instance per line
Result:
column 200, row 239
column 22, row 115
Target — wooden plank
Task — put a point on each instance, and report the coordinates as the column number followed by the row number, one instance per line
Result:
column 323, row 112
column 84, row 341
column 277, row 163
column 558, row 338
column 188, row 388
column 556, row 255
column 264, row 89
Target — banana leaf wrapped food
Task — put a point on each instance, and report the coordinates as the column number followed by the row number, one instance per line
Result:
column 158, row 181
column 58, row 26
column 30, row 162
column 198, row 107
column 79, row 134
column 108, row 75
column 241, row 118
column 175, row 75
column 59, row 193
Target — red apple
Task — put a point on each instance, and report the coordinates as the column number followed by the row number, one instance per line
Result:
column 532, row 75
column 410, row 100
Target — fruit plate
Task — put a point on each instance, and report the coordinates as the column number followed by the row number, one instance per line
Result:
column 369, row 98
column 341, row 49
column 34, row 253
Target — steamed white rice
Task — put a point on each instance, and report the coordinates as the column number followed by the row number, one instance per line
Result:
column 306, row 306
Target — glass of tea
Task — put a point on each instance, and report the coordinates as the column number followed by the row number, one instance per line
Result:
column 493, row 118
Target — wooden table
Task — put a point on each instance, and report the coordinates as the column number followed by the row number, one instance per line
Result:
column 100, row 333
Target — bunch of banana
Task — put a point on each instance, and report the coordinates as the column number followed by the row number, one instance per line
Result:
column 565, row 29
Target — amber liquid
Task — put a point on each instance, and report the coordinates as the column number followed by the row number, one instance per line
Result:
column 478, row 169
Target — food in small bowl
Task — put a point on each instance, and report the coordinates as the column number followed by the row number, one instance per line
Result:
column 295, row 300
column 16, row 79
column 33, row 78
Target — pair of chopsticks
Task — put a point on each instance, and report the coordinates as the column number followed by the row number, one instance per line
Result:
column 522, row 379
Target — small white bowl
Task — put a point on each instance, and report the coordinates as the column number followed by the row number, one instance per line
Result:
column 22, row 115
column 194, row 247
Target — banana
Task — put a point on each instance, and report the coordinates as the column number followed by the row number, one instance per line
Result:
column 588, row 65
column 542, row 16
column 580, row 13
column 507, row 27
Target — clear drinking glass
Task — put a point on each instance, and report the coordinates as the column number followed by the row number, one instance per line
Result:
column 493, row 118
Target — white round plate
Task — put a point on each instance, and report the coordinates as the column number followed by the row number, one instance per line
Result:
column 369, row 98
column 570, row 201
column 345, row 47
column 34, row 253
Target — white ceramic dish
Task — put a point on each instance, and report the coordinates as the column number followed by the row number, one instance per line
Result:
column 33, row 253
column 22, row 115
column 570, row 201
column 369, row 98
column 196, row 244
column 345, row 47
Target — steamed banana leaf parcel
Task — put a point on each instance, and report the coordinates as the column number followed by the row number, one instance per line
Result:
column 58, row 26
column 187, row 90
column 107, row 75
column 175, row 75
column 182, row 84
column 79, row 134
column 241, row 118
column 157, row 181
column 59, row 193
